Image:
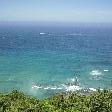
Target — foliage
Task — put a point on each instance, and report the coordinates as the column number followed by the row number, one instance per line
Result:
column 100, row 101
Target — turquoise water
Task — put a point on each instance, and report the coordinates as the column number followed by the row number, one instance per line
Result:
column 42, row 62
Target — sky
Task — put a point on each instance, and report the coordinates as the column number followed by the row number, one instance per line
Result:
column 91, row 11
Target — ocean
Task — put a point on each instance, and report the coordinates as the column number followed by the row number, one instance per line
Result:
column 45, row 60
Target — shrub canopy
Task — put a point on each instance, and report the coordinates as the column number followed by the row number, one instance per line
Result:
column 100, row 101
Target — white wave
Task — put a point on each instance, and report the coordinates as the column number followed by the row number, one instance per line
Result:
column 95, row 73
column 64, row 87
column 76, row 79
column 59, row 88
column 73, row 88
column 41, row 33
column 73, row 79
column 36, row 87
column 53, row 88
column 105, row 70
column 92, row 89
column 46, row 88
column 101, row 89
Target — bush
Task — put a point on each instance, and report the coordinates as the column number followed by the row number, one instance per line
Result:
column 100, row 101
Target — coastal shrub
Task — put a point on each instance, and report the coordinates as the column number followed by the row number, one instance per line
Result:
column 99, row 101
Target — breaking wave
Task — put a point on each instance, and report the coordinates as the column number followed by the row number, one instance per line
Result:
column 73, row 85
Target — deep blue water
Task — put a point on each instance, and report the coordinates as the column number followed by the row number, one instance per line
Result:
column 40, row 61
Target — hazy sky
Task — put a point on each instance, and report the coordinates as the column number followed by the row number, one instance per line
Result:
column 56, row 10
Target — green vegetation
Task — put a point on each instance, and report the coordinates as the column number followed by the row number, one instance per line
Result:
column 100, row 101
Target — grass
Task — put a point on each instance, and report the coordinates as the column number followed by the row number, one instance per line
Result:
column 99, row 101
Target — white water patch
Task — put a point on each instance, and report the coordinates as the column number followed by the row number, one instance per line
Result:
column 105, row 70
column 46, row 87
column 42, row 33
column 74, row 81
column 61, row 87
column 92, row 89
column 95, row 73
column 36, row 87
column 54, row 88
column 71, row 85
column 72, row 88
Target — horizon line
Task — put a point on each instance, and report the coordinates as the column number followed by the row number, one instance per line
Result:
column 56, row 23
